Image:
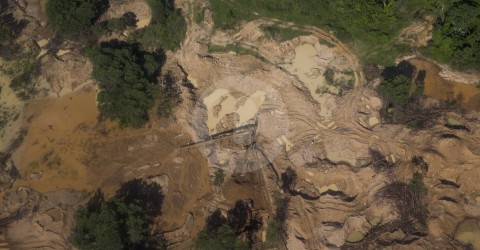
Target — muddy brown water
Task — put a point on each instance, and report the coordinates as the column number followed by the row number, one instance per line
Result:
column 439, row 88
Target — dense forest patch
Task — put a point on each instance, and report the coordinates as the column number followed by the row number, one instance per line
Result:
column 74, row 16
column 456, row 36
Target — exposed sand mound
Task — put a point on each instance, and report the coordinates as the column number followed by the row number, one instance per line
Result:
column 221, row 103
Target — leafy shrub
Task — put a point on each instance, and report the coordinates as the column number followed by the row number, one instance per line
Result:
column 23, row 70
column 329, row 75
column 417, row 186
column 282, row 34
column 276, row 230
column 168, row 96
column 219, row 177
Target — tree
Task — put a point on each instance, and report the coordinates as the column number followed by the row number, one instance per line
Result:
column 74, row 16
column 224, row 233
column 396, row 91
column 167, row 29
column 126, row 78
column 115, row 225
column 456, row 36
column 121, row 222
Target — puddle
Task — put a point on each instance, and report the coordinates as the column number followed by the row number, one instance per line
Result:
column 439, row 88
column 227, row 110
column 468, row 232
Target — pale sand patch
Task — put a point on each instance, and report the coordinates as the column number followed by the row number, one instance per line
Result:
column 221, row 103
column 42, row 43
column 63, row 52
column 308, row 70
column 469, row 232
column 142, row 23
column 332, row 187
column 372, row 121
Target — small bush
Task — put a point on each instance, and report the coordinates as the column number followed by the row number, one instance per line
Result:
column 417, row 186
column 219, row 177
column 198, row 15
column 277, row 228
column 23, row 70
column 329, row 75
column 282, row 34
column 222, row 238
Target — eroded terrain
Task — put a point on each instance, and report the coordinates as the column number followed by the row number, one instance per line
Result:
column 300, row 105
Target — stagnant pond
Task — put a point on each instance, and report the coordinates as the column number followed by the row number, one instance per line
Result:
column 439, row 88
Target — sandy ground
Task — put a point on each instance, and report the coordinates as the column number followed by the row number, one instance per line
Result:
column 221, row 103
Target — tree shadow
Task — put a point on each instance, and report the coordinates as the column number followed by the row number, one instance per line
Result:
column 404, row 68
column 148, row 193
column 96, row 201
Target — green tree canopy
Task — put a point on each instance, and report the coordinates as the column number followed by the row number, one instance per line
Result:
column 115, row 225
column 126, row 78
column 73, row 16
column 121, row 222
column 456, row 36
column 222, row 238
column 397, row 90
column 167, row 29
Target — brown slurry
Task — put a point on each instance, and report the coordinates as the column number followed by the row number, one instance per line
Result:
column 442, row 89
